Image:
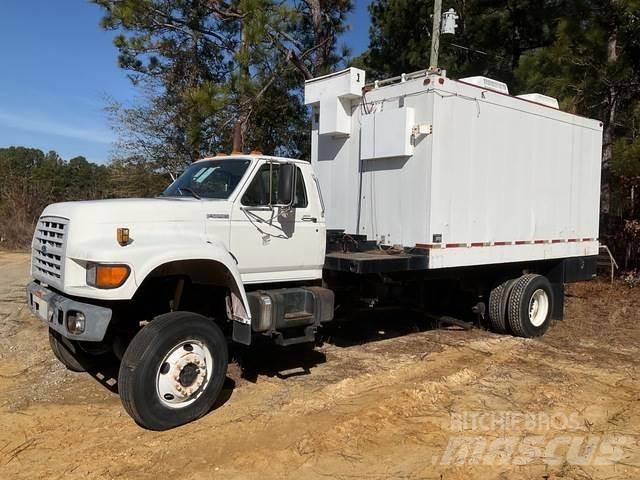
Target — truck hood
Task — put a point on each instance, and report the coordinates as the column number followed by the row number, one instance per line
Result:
column 137, row 210
column 159, row 228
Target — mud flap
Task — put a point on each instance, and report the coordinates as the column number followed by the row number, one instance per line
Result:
column 241, row 333
column 558, row 301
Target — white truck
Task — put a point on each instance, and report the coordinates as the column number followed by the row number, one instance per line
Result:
column 443, row 195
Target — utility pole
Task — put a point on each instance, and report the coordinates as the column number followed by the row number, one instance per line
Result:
column 435, row 35
column 444, row 23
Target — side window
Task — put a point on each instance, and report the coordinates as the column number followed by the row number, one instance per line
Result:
column 301, row 192
column 257, row 194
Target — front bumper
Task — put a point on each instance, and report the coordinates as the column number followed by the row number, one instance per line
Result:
column 53, row 308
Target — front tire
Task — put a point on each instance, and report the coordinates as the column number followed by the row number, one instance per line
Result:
column 173, row 370
column 530, row 306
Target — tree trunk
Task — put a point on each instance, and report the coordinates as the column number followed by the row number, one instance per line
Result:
column 237, row 137
column 316, row 20
column 243, row 79
column 609, row 126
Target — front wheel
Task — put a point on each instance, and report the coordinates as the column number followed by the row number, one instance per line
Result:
column 173, row 370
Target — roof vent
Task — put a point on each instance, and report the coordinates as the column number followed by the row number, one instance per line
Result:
column 541, row 99
column 488, row 83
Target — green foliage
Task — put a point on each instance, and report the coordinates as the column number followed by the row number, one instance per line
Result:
column 131, row 177
column 205, row 68
column 591, row 66
column 491, row 38
column 626, row 158
column 32, row 179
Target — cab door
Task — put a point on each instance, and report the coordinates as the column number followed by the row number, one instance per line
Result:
column 277, row 244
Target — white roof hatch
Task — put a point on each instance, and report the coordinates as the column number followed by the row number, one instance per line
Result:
column 541, row 99
column 488, row 83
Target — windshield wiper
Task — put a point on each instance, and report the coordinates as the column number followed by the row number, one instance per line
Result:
column 188, row 190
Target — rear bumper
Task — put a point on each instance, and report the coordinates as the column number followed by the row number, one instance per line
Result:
column 53, row 308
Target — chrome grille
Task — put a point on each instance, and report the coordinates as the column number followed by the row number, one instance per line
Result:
column 48, row 249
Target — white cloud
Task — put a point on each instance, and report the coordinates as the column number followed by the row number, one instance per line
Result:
column 41, row 124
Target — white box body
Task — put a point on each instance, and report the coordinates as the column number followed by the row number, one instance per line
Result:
column 498, row 179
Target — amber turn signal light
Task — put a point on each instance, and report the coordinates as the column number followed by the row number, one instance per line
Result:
column 122, row 235
column 107, row 276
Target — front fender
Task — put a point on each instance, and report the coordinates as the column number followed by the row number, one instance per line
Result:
column 144, row 257
column 207, row 251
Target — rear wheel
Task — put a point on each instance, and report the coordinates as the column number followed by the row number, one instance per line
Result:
column 530, row 306
column 498, row 303
column 69, row 353
column 173, row 370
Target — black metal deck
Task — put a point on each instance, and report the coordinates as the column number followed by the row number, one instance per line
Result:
column 375, row 262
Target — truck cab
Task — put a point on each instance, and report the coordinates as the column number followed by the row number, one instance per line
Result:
column 225, row 227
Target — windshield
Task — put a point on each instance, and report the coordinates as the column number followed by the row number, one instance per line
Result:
column 209, row 179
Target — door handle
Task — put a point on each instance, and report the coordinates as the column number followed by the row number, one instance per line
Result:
column 309, row 218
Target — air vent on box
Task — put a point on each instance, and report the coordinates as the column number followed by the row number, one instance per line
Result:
column 541, row 99
column 488, row 83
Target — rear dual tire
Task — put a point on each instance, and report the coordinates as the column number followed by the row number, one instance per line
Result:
column 498, row 305
column 530, row 306
column 522, row 306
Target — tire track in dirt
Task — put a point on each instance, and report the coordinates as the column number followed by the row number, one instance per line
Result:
column 13, row 278
column 358, row 414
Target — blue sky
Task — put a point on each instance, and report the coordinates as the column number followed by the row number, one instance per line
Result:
column 58, row 67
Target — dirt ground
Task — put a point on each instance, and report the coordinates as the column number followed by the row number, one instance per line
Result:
column 385, row 399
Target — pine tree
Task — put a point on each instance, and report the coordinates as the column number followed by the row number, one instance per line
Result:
column 208, row 70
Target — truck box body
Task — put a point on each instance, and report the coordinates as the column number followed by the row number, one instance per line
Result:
column 471, row 175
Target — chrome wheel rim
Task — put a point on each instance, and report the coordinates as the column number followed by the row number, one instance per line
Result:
column 538, row 307
column 184, row 373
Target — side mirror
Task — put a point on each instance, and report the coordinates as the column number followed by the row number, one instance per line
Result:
column 286, row 185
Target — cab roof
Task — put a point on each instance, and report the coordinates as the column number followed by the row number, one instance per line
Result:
column 252, row 156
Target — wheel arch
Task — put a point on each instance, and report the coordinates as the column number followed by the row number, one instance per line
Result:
column 215, row 270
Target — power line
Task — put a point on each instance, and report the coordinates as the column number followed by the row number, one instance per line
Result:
column 476, row 51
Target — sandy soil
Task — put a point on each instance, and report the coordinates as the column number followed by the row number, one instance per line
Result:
column 391, row 400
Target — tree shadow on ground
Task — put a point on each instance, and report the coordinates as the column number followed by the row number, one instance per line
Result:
column 265, row 359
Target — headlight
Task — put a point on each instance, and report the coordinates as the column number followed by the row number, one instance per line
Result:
column 107, row 276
